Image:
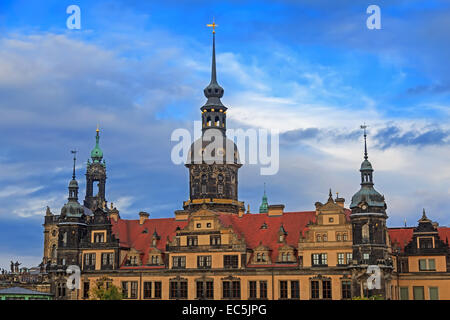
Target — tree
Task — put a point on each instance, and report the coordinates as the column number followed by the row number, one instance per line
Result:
column 105, row 290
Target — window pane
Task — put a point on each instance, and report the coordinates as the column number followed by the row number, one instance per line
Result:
column 434, row 293
column 404, row 295
column 295, row 290
column 431, row 264
column 422, row 264
column 418, row 293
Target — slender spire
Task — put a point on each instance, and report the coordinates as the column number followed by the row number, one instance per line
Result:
column 74, row 152
column 364, row 127
column 214, row 91
column 264, row 208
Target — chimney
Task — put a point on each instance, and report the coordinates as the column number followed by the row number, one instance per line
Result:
column 340, row 202
column 142, row 217
column 276, row 210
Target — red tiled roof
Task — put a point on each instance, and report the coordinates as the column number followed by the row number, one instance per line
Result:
column 402, row 236
column 248, row 227
column 131, row 233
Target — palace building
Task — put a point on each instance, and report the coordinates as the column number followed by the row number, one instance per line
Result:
column 213, row 249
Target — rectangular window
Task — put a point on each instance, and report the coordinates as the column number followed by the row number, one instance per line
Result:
column 179, row 262
column 86, row 290
column 263, row 289
column 348, row 258
column 404, row 293
column 107, row 259
column 89, row 260
column 252, row 290
column 283, row 289
column 231, row 289
column 147, row 290
column 192, row 241
column 324, row 257
column 214, row 240
column 230, row 261
column 418, row 293
column 125, row 289
column 431, row 265
column 422, row 264
column 295, row 289
column 99, row 237
column 426, row 243
column 315, row 259
column 315, row 293
column 178, row 290
column 157, row 290
column 346, row 289
column 200, row 290
column 134, row 290
column 204, row 262
column 340, row 258
column 434, row 293
column 209, row 294
column 326, row 289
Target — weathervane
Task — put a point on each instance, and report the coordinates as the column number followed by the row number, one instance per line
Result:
column 213, row 25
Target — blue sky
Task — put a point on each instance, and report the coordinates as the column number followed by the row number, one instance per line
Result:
column 309, row 68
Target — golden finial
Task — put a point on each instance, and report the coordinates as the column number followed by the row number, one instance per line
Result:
column 213, row 25
column 98, row 128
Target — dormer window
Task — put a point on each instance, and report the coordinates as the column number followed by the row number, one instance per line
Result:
column 426, row 243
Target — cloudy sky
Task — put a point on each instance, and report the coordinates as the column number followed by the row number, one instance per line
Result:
column 310, row 68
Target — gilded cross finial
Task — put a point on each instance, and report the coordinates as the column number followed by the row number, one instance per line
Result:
column 213, row 25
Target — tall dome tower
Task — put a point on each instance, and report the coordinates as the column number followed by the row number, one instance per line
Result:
column 213, row 160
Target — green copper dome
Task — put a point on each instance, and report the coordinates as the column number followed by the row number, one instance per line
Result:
column 97, row 153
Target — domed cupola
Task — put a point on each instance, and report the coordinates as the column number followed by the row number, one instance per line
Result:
column 97, row 153
column 73, row 208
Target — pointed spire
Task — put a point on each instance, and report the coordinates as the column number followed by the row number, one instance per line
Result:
column 74, row 152
column 213, row 91
column 97, row 153
column 264, row 207
column 330, row 196
column 364, row 127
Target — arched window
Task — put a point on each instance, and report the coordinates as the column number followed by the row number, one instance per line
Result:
column 319, row 238
column 54, row 251
column 325, row 238
column 345, row 236
column 216, row 121
column 338, row 237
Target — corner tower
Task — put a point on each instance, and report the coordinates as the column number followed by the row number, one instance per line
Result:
column 95, row 172
column 368, row 220
column 213, row 160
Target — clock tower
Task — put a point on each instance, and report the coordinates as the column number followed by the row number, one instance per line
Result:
column 370, row 235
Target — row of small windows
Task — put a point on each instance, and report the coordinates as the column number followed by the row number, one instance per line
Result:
column 321, row 259
column 205, row 262
column 324, row 237
column 418, row 293
column 231, row 289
